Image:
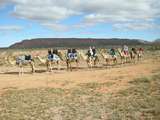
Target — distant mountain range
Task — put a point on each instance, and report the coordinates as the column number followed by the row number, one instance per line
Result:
column 157, row 41
column 75, row 42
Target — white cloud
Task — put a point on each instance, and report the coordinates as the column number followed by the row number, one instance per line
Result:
column 119, row 12
column 56, row 26
column 133, row 26
column 122, row 11
column 10, row 28
column 39, row 13
column 2, row 3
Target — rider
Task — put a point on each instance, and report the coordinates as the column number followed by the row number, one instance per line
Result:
column 141, row 50
column 134, row 50
column 69, row 54
column 28, row 57
column 55, row 55
column 125, row 49
column 94, row 52
column 112, row 52
column 74, row 53
column 90, row 51
column 55, row 51
column 50, row 55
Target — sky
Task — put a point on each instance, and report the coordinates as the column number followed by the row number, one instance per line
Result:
column 27, row 19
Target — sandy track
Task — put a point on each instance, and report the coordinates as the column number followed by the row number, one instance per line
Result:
column 120, row 76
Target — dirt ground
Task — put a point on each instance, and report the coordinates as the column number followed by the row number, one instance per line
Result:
column 119, row 76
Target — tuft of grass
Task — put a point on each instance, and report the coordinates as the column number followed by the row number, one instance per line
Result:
column 142, row 80
column 95, row 85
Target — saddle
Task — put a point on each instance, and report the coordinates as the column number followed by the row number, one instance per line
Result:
column 53, row 57
column 28, row 57
column 94, row 57
column 50, row 56
column 126, row 53
column 72, row 56
column 23, row 59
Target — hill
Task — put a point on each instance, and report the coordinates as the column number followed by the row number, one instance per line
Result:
column 157, row 41
column 74, row 42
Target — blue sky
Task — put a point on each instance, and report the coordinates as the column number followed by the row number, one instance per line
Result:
column 26, row 19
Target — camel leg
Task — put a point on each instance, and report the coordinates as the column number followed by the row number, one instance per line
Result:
column 70, row 66
column 126, row 59
column 58, row 65
column 122, row 60
column 134, row 59
column 77, row 63
column 67, row 64
column 91, row 63
column 47, row 65
column 107, row 61
column 94, row 63
column 139, row 57
column 32, row 66
column 129, row 59
column 88, row 63
column 50, row 66
column 20, row 69
column 114, row 61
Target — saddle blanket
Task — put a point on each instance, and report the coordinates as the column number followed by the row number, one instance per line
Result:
column 23, row 59
column 53, row 57
column 72, row 56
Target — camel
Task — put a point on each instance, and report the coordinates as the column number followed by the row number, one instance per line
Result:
column 69, row 62
column 140, row 54
column 72, row 56
column 21, row 61
column 49, row 62
column 133, row 55
column 91, row 61
column 3, row 58
column 124, row 58
column 108, row 58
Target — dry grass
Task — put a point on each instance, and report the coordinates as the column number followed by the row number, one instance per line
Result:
column 141, row 101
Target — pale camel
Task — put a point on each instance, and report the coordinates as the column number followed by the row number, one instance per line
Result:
column 91, row 61
column 140, row 54
column 133, row 55
column 21, row 62
column 69, row 62
column 108, row 58
column 49, row 63
column 124, row 57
